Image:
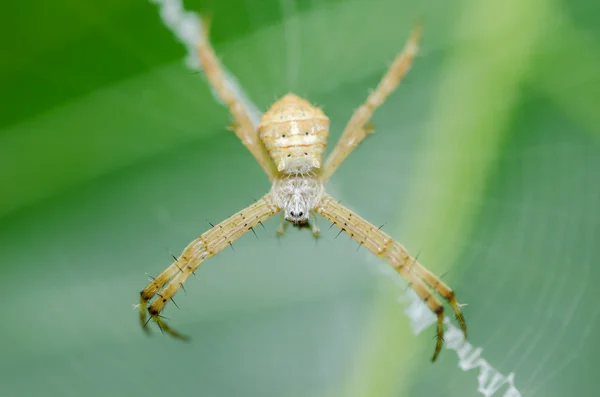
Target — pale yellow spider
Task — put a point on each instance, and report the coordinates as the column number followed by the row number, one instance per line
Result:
column 289, row 144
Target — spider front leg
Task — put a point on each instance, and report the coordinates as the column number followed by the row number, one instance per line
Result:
column 242, row 126
column 165, row 286
column 421, row 280
column 357, row 128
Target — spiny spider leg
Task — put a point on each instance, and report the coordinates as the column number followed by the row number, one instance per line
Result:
column 357, row 129
column 164, row 287
column 381, row 244
column 242, row 126
column 442, row 289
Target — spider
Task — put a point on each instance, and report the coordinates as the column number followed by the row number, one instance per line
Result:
column 289, row 145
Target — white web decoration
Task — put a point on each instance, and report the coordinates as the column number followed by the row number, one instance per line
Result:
column 187, row 28
column 489, row 380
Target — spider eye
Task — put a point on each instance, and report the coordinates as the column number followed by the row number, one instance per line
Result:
column 300, row 213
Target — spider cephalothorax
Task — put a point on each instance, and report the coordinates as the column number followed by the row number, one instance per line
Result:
column 297, row 195
column 289, row 145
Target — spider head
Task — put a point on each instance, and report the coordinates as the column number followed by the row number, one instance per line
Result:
column 297, row 195
column 297, row 211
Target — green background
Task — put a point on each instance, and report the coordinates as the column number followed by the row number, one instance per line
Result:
column 113, row 155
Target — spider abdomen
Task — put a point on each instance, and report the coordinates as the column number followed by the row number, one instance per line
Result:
column 295, row 134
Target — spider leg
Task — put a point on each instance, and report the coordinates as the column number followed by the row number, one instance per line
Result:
column 442, row 289
column 430, row 300
column 158, row 282
column 242, row 126
column 162, row 289
column 316, row 232
column 357, row 128
column 282, row 226
column 421, row 280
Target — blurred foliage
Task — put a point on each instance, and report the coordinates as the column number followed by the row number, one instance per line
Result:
column 114, row 155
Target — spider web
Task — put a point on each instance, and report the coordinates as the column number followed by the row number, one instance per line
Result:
column 562, row 292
